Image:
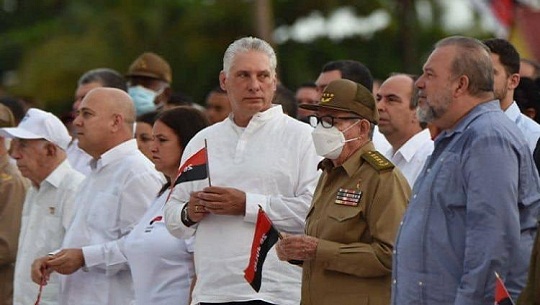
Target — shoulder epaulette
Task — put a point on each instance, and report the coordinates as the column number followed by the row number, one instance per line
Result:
column 5, row 177
column 377, row 160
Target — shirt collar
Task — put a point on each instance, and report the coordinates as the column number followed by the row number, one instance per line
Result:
column 263, row 116
column 118, row 152
column 350, row 165
column 415, row 143
column 469, row 117
column 513, row 112
column 57, row 175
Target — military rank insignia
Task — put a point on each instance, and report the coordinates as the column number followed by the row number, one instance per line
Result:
column 348, row 197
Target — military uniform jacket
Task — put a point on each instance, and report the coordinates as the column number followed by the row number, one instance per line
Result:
column 12, row 193
column 356, row 211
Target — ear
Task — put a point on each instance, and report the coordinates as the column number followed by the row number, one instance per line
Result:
column 117, row 122
column 462, row 86
column 222, row 80
column 50, row 149
column 513, row 81
column 164, row 97
column 364, row 127
column 530, row 112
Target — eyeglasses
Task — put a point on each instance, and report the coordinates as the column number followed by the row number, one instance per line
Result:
column 327, row 121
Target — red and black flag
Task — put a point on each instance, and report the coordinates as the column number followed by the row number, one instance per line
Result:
column 195, row 168
column 264, row 238
column 502, row 297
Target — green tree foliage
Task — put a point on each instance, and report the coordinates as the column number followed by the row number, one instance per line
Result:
column 50, row 43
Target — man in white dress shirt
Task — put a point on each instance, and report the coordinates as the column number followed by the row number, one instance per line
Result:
column 257, row 156
column 122, row 184
column 506, row 63
column 411, row 141
column 38, row 146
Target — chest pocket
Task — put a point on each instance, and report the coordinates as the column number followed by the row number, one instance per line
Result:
column 103, row 212
column 344, row 223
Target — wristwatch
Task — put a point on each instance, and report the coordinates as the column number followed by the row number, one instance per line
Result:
column 185, row 217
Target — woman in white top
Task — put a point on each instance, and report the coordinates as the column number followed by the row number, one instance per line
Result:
column 162, row 265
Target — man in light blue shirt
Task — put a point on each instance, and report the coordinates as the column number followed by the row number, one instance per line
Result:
column 463, row 220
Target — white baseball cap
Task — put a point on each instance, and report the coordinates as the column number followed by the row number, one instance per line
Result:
column 38, row 124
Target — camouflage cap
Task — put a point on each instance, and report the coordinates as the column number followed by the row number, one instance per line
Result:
column 151, row 65
column 346, row 95
column 6, row 117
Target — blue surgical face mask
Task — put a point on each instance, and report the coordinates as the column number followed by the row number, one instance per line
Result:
column 143, row 99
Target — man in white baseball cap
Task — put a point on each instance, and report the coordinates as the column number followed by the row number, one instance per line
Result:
column 38, row 146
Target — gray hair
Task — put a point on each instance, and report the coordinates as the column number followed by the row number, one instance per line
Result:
column 105, row 76
column 246, row 44
column 473, row 61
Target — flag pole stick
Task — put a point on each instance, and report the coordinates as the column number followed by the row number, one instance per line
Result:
column 207, row 162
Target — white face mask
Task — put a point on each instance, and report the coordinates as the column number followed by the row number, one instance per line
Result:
column 143, row 98
column 329, row 141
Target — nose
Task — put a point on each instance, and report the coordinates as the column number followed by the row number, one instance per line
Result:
column 77, row 121
column 14, row 151
column 381, row 105
column 254, row 84
column 154, row 146
column 420, row 82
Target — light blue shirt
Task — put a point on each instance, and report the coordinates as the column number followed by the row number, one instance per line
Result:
column 462, row 223
column 529, row 128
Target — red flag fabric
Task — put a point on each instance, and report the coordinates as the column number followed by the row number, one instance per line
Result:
column 502, row 297
column 195, row 168
column 264, row 238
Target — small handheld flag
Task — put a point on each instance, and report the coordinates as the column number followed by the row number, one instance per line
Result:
column 502, row 297
column 195, row 168
column 264, row 238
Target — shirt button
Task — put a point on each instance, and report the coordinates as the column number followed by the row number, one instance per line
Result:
column 428, row 170
column 401, row 223
column 394, row 282
column 420, row 284
column 414, row 196
column 394, row 252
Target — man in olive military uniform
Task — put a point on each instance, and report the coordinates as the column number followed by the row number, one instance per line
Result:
column 12, row 193
column 356, row 209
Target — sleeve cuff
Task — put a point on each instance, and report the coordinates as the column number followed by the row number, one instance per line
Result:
column 326, row 251
column 92, row 256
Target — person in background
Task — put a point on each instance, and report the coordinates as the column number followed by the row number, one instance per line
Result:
column 95, row 78
column 258, row 156
column 12, row 193
column 397, row 102
column 116, row 194
column 356, row 209
column 162, row 265
column 15, row 106
column 505, row 59
column 285, row 98
column 149, row 82
column 143, row 132
column 38, row 146
column 218, row 105
column 529, row 68
column 306, row 93
column 358, row 73
column 463, row 220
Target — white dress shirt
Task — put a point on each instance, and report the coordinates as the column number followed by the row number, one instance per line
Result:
column 529, row 128
column 78, row 158
column 161, row 264
column 273, row 160
column 412, row 155
column 379, row 140
column 47, row 213
column 115, row 195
